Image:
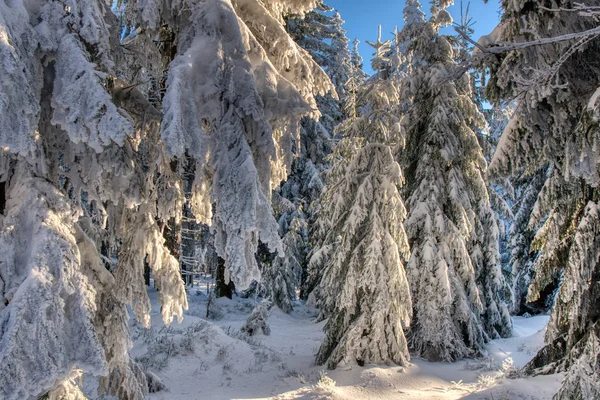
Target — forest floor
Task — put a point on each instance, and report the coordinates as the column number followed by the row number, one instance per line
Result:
column 204, row 359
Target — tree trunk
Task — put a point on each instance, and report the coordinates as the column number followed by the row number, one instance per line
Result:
column 190, row 229
column 223, row 289
column 146, row 273
column 2, row 197
column 172, row 235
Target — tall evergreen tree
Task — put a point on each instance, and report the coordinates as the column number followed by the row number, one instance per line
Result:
column 320, row 33
column 454, row 270
column 363, row 246
column 553, row 77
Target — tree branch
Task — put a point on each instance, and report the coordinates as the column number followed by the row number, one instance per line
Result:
column 590, row 33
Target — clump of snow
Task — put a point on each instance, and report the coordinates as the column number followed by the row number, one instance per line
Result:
column 490, row 39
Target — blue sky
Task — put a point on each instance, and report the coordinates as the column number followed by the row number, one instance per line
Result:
column 363, row 16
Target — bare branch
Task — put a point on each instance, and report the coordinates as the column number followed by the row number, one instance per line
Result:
column 578, row 8
column 590, row 34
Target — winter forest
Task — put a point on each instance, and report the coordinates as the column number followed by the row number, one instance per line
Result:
column 219, row 199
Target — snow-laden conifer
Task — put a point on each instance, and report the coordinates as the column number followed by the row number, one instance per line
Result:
column 364, row 285
column 236, row 90
column 361, row 243
column 284, row 275
column 521, row 235
column 555, row 123
column 454, row 270
column 48, row 302
column 356, row 78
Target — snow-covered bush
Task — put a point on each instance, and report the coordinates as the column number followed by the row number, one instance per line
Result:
column 167, row 342
column 325, row 383
column 154, row 383
column 257, row 321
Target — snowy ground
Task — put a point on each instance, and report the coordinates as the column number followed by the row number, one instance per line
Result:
column 202, row 359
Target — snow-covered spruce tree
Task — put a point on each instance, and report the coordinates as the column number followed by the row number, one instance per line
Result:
column 319, row 229
column 78, row 166
column 454, row 270
column 380, row 63
column 320, row 33
column 86, row 166
column 257, row 321
column 284, row 274
column 555, row 123
column 502, row 191
column 323, row 37
column 363, row 289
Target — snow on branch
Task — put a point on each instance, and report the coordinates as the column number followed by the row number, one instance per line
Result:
column 19, row 81
column 292, row 62
column 279, row 8
column 503, row 48
column 46, row 319
column 82, row 106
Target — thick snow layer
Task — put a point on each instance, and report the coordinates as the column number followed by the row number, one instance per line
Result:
column 222, row 363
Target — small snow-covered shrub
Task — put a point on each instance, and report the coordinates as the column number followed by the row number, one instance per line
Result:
column 186, row 344
column 504, row 370
column 257, row 321
column 222, row 354
column 151, row 361
column 508, row 369
column 261, row 357
column 292, row 373
column 486, row 380
column 239, row 335
column 154, row 383
column 325, row 383
column 197, row 327
column 169, row 342
column 163, row 344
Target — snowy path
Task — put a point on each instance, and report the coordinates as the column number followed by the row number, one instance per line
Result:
column 213, row 361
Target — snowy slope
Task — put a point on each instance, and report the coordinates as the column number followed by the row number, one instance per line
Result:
column 202, row 359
